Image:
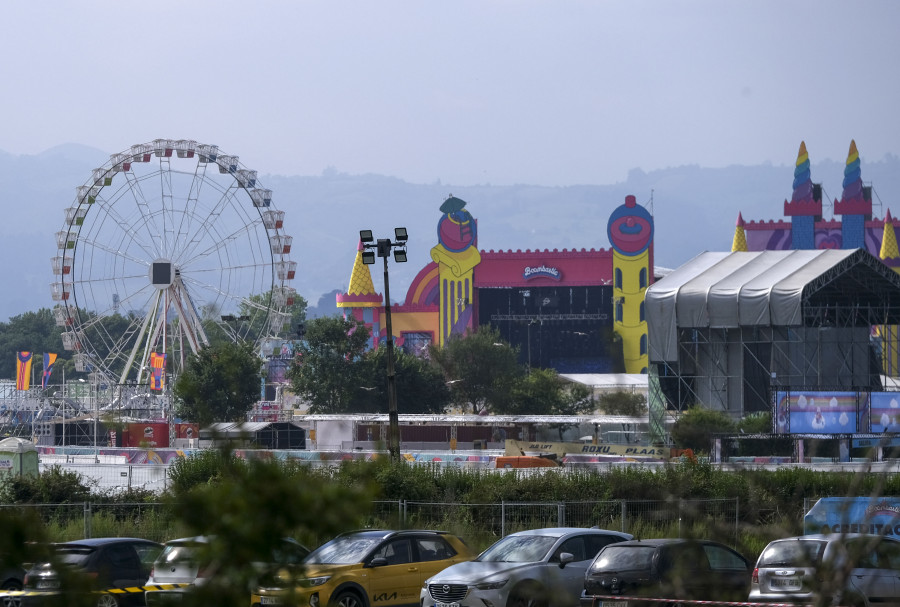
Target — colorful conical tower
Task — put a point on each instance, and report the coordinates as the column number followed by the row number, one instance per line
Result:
column 889, row 251
column 855, row 204
column 456, row 255
column 887, row 335
column 630, row 232
column 740, row 238
column 805, row 207
column 361, row 301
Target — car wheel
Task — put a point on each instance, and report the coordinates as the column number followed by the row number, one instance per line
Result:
column 107, row 600
column 347, row 598
column 11, row 585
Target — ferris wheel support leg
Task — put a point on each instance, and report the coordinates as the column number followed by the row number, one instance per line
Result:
column 193, row 328
column 137, row 342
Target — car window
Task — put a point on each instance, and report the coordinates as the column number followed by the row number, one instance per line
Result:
column 395, row 552
column 121, row 557
column 595, row 542
column 624, row 558
column 794, row 553
column 147, row 553
column 434, row 549
column 74, row 555
column 177, row 553
column 683, row 557
column 574, row 545
column 888, row 555
column 519, row 549
column 344, row 550
column 722, row 559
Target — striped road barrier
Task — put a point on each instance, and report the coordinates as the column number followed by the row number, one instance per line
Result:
column 11, row 598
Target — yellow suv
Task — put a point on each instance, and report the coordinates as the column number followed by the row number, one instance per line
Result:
column 368, row 568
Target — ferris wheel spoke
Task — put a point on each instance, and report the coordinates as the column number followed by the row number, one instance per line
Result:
column 147, row 222
column 96, row 244
column 209, row 224
column 223, row 241
column 194, row 285
column 187, row 219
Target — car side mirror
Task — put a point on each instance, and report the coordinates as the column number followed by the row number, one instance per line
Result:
column 565, row 558
column 378, row 562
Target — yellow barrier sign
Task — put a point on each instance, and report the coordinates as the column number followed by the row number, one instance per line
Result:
column 516, row 447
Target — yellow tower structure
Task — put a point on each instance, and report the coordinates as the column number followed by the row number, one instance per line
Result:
column 630, row 231
column 361, row 301
column 740, row 237
column 889, row 335
column 456, row 255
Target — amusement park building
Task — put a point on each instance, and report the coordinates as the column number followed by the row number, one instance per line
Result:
column 852, row 226
column 576, row 311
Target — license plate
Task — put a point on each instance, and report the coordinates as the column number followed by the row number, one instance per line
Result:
column 789, row 582
column 614, row 604
column 46, row 585
column 270, row 600
column 446, row 605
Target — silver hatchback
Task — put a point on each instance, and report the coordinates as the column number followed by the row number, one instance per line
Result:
column 858, row 570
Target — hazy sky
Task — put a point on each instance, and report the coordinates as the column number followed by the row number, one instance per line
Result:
column 553, row 92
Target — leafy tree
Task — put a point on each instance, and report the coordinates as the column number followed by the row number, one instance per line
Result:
column 696, row 428
column 324, row 371
column 219, row 383
column 420, row 385
column 542, row 392
column 54, row 485
column 631, row 404
column 479, row 367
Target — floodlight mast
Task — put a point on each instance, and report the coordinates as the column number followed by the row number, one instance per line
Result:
column 383, row 248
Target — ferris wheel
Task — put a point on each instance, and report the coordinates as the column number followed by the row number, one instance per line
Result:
column 168, row 245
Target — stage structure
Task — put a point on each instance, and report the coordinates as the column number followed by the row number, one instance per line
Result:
column 730, row 330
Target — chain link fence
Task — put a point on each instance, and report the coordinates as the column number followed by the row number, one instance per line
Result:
column 480, row 524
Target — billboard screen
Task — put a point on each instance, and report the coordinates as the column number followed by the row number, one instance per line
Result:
column 816, row 412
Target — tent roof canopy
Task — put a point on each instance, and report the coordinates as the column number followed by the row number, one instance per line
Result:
column 812, row 288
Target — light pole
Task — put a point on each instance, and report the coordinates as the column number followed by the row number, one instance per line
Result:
column 383, row 248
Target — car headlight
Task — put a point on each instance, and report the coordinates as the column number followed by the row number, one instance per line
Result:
column 315, row 581
column 493, row 585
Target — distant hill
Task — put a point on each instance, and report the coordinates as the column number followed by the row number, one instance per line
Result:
column 694, row 209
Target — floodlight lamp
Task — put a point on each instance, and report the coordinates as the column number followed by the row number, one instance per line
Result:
column 400, row 255
column 366, row 236
column 400, row 234
column 368, row 257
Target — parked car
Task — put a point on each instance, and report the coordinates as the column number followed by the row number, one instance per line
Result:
column 113, row 567
column 369, row 567
column 672, row 568
column 181, row 566
column 853, row 569
column 540, row 566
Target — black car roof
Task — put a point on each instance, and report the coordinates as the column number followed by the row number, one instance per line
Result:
column 102, row 541
column 664, row 541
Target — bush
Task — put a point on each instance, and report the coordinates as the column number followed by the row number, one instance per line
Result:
column 54, row 486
